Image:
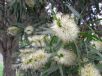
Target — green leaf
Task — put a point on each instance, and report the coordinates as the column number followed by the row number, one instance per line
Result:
column 89, row 36
column 50, row 70
column 99, row 66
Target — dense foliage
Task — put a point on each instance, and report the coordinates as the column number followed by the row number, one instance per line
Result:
column 53, row 37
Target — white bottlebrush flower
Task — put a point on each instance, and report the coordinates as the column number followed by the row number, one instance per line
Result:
column 85, row 60
column 89, row 70
column 35, row 60
column 65, row 57
column 30, row 3
column 100, row 62
column 97, row 44
column 37, row 40
column 27, row 50
column 65, row 27
column 24, row 53
column 13, row 30
column 26, row 62
column 29, row 30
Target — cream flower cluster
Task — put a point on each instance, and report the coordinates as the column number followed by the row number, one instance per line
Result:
column 89, row 70
column 35, row 60
column 13, row 30
column 65, row 27
column 37, row 40
column 26, row 50
column 30, row 3
column 29, row 30
column 65, row 57
column 100, row 62
column 97, row 44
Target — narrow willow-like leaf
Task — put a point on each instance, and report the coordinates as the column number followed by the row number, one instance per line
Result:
column 73, row 10
column 49, row 71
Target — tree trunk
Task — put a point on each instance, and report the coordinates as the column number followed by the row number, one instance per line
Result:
column 9, row 46
column 7, row 59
